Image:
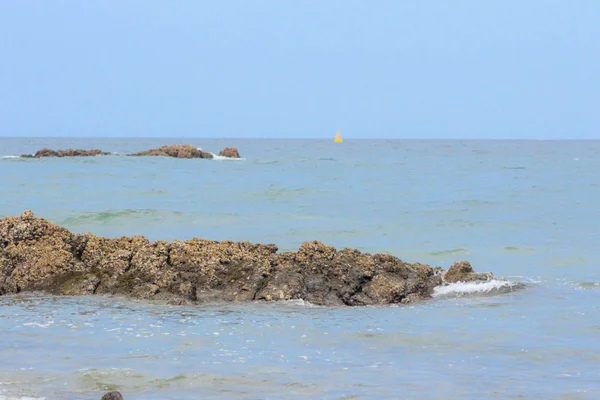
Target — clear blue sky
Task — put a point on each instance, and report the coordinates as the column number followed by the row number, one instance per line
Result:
column 269, row 68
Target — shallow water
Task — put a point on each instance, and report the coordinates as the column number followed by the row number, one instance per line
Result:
column 525, row 210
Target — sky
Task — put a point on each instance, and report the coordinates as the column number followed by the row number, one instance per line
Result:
column 300, row 69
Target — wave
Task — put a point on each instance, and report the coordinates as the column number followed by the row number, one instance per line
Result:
column 299, row 303
column 5, row 396
column 588, row 285
column 491, row 287
column 449, row 252
column 223, row 158
column 106, row 216
column 131, row 381
column 281, row 193
column 516, row 249
column 10, row 157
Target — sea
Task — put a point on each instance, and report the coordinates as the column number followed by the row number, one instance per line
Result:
column 528, row 211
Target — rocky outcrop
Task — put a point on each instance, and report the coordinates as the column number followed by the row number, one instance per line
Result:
column 230, row 152
column 177, row 151
column 45, row 152
column 38, row 255
column 463, row 272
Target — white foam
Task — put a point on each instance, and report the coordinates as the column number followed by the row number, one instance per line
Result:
column 298, row 302
column 11, row 157
column 222, row 158
column 38, row 324
column 4, row 397
column 524, row 278
column 459, row 288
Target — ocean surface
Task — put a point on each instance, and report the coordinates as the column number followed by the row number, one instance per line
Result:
column 528, row 211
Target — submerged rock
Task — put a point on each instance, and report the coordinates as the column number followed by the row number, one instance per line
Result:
column 45, row 152
column 177, row 151
column 112, row 396
column 38, row 255
column 230, row 152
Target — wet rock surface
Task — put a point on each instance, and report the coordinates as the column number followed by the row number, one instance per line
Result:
column 230, row 152
column 36, row 254
column 114, row 395
column 177, row 151
column 45, row 152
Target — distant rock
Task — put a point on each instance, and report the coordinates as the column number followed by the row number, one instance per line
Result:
column 230, row 152
column 36, row 254
column 45, row 152
column 177, row 151
column 112, row 396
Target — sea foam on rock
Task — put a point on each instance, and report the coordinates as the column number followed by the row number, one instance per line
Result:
column 36, row 254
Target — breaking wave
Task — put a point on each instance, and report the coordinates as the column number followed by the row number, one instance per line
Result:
column 487, row 288
column 299, row 303
column 5, row 396
column 222, row 158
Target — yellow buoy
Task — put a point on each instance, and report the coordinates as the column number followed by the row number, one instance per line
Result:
column 338, row 137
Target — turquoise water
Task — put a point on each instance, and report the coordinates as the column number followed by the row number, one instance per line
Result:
column 525, row 210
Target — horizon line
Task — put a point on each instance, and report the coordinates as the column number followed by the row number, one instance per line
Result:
column 296, row 138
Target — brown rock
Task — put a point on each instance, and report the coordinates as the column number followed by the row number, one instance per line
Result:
column 38, row 255
column 114, row 395
column 177, row 151
column 463, row 272
column 45, row 152
column 230, row 152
